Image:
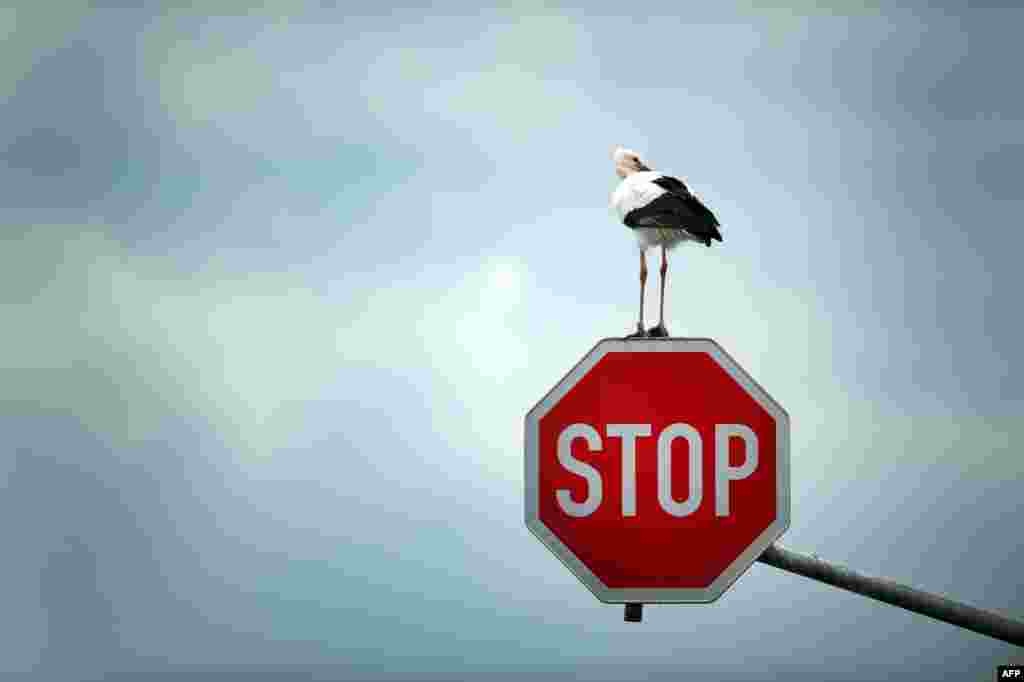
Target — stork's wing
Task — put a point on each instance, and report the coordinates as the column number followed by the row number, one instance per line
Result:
column 677, row 208
column 670, row 184
column 676, row 187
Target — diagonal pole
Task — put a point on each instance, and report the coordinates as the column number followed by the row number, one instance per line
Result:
column 982, row 621
column 969, row 617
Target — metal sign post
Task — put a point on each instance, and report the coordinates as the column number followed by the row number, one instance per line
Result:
column 969, row 617
column 927, row 604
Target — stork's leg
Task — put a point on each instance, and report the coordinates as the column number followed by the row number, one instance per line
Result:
column 664, row 273
column 660, row 329
column 643, row 283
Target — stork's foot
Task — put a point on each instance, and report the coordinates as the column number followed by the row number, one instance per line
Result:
column 657, row 332
column 639, row 333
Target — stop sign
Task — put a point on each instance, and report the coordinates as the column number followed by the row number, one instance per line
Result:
column 657, row 470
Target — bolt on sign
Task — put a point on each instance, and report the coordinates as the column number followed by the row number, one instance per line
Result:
column 657, row 470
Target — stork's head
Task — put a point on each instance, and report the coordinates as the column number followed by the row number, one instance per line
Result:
column 627, row 161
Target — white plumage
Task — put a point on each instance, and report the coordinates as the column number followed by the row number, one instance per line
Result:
column 637, row 191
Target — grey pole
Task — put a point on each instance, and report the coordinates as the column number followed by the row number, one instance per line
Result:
column 932, row 605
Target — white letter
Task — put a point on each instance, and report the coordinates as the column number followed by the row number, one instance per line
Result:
column 725, row 473
column 628, row 433
column 665, row 469
column 593, row 476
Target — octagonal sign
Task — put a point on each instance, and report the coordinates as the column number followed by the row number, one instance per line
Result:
column 657, row 470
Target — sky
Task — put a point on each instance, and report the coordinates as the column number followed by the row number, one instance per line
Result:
column 279, row 285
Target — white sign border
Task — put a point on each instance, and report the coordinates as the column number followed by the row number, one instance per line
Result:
column 657, row 595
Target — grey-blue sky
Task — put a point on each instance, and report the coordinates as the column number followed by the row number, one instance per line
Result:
column 279, row 288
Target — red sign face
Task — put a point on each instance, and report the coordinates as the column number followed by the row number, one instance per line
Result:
column 657, row 470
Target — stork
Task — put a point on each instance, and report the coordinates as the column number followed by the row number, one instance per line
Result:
column 662, row 211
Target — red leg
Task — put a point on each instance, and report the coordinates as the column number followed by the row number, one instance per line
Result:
column 664, row 271
column 640, row 333
column 643, row 285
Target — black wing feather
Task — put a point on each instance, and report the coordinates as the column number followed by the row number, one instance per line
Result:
column 670, row 184
column 677, row 208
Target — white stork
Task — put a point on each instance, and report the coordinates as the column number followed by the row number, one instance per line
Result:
column 661, row 211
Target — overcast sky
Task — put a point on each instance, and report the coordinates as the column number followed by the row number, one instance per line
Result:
column 277, row 289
